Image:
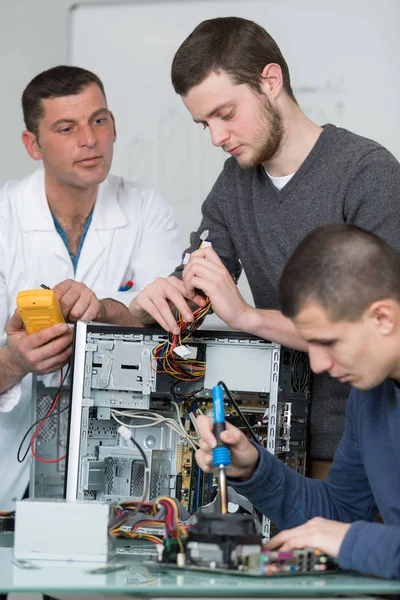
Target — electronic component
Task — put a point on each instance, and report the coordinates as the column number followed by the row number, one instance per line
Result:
column 62, row 530
column 7, row 521
column 225, row 540
column 39, row 309
column 185, row 367
column 151, row 521
column 203, row 236
column 209, row 541
column 116, row 382
column 308, row 561
column 228, row 543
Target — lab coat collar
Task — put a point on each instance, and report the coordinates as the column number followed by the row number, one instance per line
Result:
column 36, row 214
column 107, row 213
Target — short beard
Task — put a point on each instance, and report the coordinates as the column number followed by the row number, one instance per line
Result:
column 271, row 119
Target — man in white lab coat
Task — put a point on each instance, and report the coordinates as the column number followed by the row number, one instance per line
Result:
column 75, row 228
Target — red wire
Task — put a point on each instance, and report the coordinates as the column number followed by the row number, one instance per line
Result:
column 56, row 399
column 169, row 518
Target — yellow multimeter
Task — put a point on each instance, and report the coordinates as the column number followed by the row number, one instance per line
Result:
column 39, row 309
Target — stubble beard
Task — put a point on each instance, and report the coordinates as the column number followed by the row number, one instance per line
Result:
column 271, row 126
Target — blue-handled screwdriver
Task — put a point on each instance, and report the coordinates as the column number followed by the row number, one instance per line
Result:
column 221, row 453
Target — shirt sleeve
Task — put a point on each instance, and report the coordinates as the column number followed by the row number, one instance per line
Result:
column 9, row 398
column 213, row 220
column 159, row 247
column 373, row 549
column 373, row 195
column 289, row 499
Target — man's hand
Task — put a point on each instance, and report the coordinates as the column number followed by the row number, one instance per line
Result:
column 41, row 352
column 205, row 271
column 316, row 533
column 154, row 303
column 78, row 302
column 244, row 456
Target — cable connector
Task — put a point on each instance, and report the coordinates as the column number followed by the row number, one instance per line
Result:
column 186, row 351
column 124, row 432
column 160, row 552
column 182, row 351
column 203, row 237
column 180, row 559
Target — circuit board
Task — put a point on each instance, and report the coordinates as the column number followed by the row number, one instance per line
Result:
column 263, row 564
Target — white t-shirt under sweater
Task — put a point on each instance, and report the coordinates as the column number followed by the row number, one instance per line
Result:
column 280, row 182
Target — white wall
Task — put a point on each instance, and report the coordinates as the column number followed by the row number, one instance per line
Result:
column 33, row 37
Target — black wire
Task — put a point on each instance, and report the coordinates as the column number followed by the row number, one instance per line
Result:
column 54, row 414
column 174, row 394
column 180, row 399
column 44, row 418
column 241, row 415
column 146, row 465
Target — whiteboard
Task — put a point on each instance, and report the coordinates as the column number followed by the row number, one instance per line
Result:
column 343, row 56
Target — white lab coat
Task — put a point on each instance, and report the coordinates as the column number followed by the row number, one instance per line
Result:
column 133, row 236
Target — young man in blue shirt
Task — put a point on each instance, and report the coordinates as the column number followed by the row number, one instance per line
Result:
column 341, row 289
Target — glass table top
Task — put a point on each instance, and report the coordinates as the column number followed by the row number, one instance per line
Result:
column 127, row 574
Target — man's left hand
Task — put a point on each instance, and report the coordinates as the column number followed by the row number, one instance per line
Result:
column 206, row 272
column 316, row 533
column 78, row 302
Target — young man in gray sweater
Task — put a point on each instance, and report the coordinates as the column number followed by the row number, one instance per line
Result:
column 286, row 176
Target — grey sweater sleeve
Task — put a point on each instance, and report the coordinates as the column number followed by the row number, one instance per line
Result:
column 213, row 219
column 372, row 200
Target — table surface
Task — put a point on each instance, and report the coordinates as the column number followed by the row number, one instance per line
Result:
column 131, row 576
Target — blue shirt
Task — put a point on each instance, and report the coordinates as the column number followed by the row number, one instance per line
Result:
column 364, row 479
column 64, row 237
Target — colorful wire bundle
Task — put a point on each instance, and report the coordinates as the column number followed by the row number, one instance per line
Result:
column 124, row 512
column 167, row 360
column 173, row 527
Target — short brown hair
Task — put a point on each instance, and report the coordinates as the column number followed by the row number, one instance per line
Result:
column 342, row 267
column 237, row 46
column 62, row 80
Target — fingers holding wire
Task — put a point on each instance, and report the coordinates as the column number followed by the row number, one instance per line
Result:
column 156, row 300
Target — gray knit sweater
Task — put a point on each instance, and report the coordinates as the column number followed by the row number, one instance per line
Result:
column 345, row 178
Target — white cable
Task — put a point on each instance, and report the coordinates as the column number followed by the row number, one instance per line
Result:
column 193, row 419
column 155, row 420
column 179, row 418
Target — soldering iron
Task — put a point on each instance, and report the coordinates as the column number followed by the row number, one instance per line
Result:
column 221, row 453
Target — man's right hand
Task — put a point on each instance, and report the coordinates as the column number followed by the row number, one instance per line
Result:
column 244, row 456
column 44, row 351
column 154, row 303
